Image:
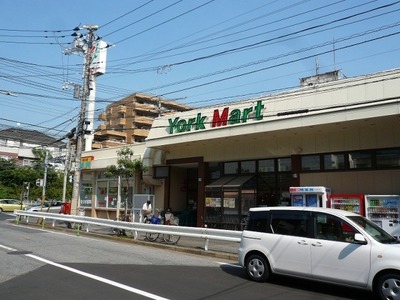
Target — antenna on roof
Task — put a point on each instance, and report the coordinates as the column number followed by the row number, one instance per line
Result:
column 316, row 65
column 334, row 54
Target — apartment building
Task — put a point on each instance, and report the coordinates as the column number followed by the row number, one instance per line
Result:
column 17, row 143
column 129, row 120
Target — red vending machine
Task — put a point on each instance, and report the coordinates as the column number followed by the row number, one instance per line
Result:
column 349, row 202
column 384, row 211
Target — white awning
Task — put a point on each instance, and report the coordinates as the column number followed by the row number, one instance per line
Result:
column 152, row 157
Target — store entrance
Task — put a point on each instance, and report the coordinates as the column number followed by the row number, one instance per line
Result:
column 185, row 188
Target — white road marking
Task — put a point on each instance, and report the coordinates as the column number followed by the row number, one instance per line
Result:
column 7, row 248
column 48, row 230
column 91, row 276
column 228, row 264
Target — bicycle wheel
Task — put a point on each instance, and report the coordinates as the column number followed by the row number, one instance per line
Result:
column 152, row 236
column 116, row 231
column 171, row 238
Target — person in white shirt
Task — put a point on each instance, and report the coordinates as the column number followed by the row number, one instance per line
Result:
column 146, row 210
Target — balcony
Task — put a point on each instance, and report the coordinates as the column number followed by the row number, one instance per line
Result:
column 97, row 145
column 107, row 144
column 120, row 121
column 145, row 107
column 110, row 133
column 121, row 109
column 102, row 127
column 143, row 120
column 140, row 132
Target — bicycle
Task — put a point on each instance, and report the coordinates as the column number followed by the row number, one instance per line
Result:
column 170, row 239
column 124, row 218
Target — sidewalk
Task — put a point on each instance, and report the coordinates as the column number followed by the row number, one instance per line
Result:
column 218, row 249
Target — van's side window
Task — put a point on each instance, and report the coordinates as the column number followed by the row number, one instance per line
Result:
column 290, row 223
column 331, row 228
column 257, row 221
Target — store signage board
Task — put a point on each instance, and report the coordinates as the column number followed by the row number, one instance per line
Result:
column 307, row 190
column 222, row 118
column 86, row 162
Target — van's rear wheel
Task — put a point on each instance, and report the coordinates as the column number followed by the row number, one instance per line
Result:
column 388, row 287
column 257, row 268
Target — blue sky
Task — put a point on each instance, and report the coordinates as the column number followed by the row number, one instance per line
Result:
column 198, row 52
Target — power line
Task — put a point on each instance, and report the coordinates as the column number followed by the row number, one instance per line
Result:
column 124, row 15
column 167, row 21
column 278, row 65
column 282, row 36
column 246, row 22
column 283, row 55
column 144, row 18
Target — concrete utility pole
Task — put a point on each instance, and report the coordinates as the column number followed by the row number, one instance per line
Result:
column 90, row 114
column 81, row 125
column 66, row 170
column 46, row 161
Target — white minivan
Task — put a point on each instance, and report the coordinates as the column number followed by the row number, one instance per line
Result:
column 323, row 244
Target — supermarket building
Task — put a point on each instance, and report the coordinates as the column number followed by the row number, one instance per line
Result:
column 212, row 164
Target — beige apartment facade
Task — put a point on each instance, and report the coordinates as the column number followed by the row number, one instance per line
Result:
column 210, row 165
column 129, row 120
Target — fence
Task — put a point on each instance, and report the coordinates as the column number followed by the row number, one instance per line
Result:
column 84, row 222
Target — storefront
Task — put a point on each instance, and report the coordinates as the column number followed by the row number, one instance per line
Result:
column 211, row 164
column 98, row 193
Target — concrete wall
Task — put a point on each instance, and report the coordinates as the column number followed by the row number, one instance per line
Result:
column 383, row 182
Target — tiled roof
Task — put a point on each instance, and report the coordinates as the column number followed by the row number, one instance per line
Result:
column 28, row 136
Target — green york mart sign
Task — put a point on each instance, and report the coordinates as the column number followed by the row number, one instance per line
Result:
column 226, row 117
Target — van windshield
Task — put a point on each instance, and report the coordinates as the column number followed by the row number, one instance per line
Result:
column 374, row 230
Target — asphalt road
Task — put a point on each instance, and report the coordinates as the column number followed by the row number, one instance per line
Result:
column 48, row 264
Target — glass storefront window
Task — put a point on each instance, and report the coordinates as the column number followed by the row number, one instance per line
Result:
column 266, row 165
column 284, row 164
column 334, row 161
column 360, row 160
column 231, row 203
column 112, row 198
column 101, row 175
column 388, row 158
column 248, row 200
column 248, row 166
column 214, row 171
column 231, row 168
column 310, row 163
column 124, row 196
column 101, row 194
column 107, row 193
column 86, row 194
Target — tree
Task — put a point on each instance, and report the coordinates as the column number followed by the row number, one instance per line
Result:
column 7, row 164
column 13, row 177
column 40, row 155
column 126, row 169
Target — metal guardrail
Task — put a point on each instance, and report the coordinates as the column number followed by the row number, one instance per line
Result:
column 85, row 222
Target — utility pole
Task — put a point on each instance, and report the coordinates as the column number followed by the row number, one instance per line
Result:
column 94, row 65
column 80, row 129
column 66, row 171
column 45, row 177
column 90, row 114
